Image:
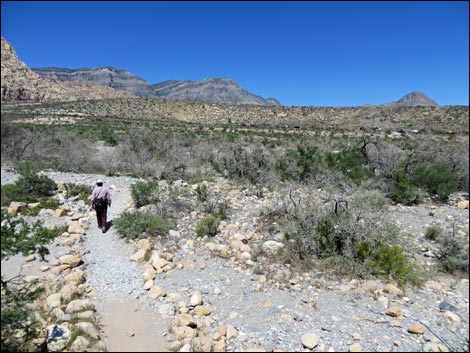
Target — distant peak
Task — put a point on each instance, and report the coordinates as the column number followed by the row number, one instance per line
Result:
column 413, row 99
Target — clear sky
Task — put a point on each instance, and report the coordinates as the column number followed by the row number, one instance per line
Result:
column 303, row 53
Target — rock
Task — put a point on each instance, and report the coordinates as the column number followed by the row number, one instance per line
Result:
column 196, row 299
column 157, row 292
column 59, row 212
column 390, row 288
column 54, row 300
column 70, row 260
column 310, row 340
column 79, row 305
column 444, row 306
column 185, row 319
column 463, row 204
column 452, row 317
column 202, row 310
column 139, row 256
column 417, row 328
column 433, row 285
column 271, row 247
column 355, row 347
column 231, row 332
column 57, row 337
column 75, row 227
column 79, row 344
column 394, row 311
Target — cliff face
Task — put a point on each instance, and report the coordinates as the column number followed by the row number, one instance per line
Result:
column 102, row 76
column 20, row 83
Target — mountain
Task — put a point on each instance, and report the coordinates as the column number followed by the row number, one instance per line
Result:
column 20, row 83
column 216, row 90
column 412, row 99
column 102, row 76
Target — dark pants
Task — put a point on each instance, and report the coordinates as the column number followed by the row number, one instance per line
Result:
column 101, row 214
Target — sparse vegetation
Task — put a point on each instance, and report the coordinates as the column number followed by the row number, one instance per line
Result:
column 135, row 224
column 144, row 193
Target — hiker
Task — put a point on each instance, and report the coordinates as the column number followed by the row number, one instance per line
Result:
column 100, row 200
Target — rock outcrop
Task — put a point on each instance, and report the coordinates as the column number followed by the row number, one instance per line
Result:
column 21, row 84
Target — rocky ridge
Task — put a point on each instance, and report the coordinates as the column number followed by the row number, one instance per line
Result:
column 222, row 90
column 218, row 297
column 21, row 84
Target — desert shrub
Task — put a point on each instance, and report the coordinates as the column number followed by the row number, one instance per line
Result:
column 28, row 188
column 242, row 164
column 454, row 254
column 308, row 161
column 433, row 233
column 208, row 226
column 391, row 261
column 355, row 237
column 202, row 192
column 404, row 191
column 437, row 179
column 133, row 224
column 351, row 162
column 107, row 135
column 221, row 210
column 81, row 190
column 144, row 193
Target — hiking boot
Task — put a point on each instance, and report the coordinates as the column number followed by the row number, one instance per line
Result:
column 104, row 230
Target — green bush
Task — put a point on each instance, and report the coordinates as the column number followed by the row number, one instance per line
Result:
column 133, row 224
column 325, row 237
column 404, row 191
column 144, row 193
column 454, row 254
column 437, row 179
column 202, row 192
column 28, row 188
column 20, row 237
column 208, row 226
column 391, row 261
column 351, row 162
column 433, row 233
column 81, row 190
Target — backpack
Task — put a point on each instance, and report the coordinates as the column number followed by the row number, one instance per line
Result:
column 100, row 202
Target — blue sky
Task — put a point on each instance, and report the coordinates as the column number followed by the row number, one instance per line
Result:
column 302, row 53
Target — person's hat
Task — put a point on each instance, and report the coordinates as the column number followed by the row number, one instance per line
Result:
column 99, row 181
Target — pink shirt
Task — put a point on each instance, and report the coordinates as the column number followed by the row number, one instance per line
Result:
column 101, row 192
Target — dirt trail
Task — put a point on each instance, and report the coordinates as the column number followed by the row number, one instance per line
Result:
column 128, row 324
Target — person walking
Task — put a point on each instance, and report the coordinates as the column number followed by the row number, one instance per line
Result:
column 100, row 201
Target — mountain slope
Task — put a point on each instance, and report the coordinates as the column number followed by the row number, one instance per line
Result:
column 216, row 90
column 223, row 90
